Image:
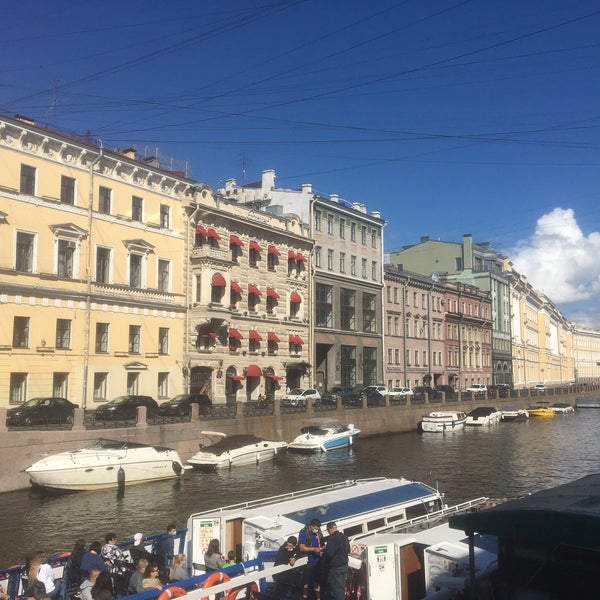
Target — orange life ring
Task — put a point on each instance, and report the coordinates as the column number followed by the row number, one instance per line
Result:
column 251, row 591
column 214, row 579
column 172, row 592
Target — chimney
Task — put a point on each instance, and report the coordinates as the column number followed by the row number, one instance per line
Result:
column 129, row 153
column 467, row 252
column 424, row 238
column 376, row 214
column 268, row 180
column 334, row 197
column 307, row 188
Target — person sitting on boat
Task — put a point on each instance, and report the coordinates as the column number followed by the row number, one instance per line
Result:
column 73, row 566
column 87, row 585
column 152, row 577
column 135, row 581
column 103, row 588
column 92, row 560
column 3, row 594
column 40, row 572
column 213, row 559
column 310, row 543
column 179, row 570
column 287, row 583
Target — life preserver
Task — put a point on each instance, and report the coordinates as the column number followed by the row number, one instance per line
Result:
column 251, row 591
column 172, row 592
column 214, row 579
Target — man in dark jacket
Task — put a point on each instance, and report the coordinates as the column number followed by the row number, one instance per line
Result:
column 287, row 583
column 335, row 561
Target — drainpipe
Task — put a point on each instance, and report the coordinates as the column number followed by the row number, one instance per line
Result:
column 404, row 330
column 429, row 343
column 460, row 339
column 88, row 291
column 311, row 288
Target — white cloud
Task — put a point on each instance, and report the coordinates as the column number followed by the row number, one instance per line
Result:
column 560, row 261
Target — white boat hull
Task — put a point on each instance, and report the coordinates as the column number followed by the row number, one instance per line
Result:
column 329, row 437
column 85, row 469
column 442, row 422
column 238, row 457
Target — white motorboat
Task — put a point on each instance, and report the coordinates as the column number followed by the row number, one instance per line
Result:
column 324, row 437
column 562, row 408
column 105, row 464
column 218, row 450
column 514, row 415
column 483, row 416
column 442, row 421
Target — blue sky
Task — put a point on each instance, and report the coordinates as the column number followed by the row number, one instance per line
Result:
column 448, row 116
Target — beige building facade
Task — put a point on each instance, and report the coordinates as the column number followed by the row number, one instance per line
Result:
column 91, row 260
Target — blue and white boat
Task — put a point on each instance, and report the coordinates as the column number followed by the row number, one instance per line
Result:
column 324, row 437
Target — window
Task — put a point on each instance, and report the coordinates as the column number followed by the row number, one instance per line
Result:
column 352, row 232
column 348, row 365
column 67, row 190
column 104, row 202
column 165, row 220
column 318, row 256
column 21, row 332
column 133, row 383
column 134, row 339
column 18, row 388
column 163, row 340
column 342, row 262
column 353, row 265
column 63, row 334
column 295, row 302
column 424, row 358
column 100, row 385
column 374, row 270
column 60, row 388
column 342, row 228
column 370, row 366
column 330, row 260
column 459, row 263
column 416, row 358
column 101, row 338
column 253, row 256
column 103, row 265
column 27, row 180
column 396, row 326
column 137, row 207
column 24, row 253
column 135, row 270
column 66, row 258
column 324, row 307
column 373, row 238
column 163, row 275
column 364, row 267
column 369, row 314
column 348, row 309
column 317, row 220
column 330, row 224
column 363, row 235
column 163, row 385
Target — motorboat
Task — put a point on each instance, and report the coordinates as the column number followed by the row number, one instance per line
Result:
column 483, row 416
column 514, row 415
column 324, row 437
column 105, row 464
column 442, row 421
column 561, row 408
column 541, row 409
column 218, row 450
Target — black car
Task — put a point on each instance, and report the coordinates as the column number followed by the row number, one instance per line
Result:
column 40, row 411
column 338, row 393
column 448, row 390
column 125, row 407
column 503, row 390
column 181, row 405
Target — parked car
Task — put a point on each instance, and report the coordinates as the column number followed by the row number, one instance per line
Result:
column 503, row 390
column 448, row 390
column 477, row 388
column 540, row 388
column 39, row 411
column 125, row 407
column 339, row 393
column 297, row 397
column 423, row 389
column 374, row 390
column 181, row 405
column 400, row 392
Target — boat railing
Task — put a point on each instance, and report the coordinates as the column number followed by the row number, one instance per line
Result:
column 427, row 519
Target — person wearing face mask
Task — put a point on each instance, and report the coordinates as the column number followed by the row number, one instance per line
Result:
column 287, row 583
column 310, row 543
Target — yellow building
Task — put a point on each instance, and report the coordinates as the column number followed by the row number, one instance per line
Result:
column 92, row 296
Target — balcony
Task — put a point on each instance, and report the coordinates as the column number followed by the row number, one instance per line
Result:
column 132, row 293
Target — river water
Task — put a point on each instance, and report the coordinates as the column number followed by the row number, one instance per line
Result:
column 509, row 459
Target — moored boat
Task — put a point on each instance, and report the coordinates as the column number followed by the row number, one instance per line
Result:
column 483, row 416
column 323, row 437
column 105, row 464
column 218, row 450
column 540, row 409
column 513, row 415
column 442, row 421
column 562, row 408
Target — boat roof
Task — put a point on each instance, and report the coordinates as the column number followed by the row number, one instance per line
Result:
column 232, row 442
column 567, row 515
column 483, row 410
column 107, row 444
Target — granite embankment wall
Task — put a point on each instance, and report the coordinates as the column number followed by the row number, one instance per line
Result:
column 21, row 447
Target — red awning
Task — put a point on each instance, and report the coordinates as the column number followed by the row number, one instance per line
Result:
column 253, row 371
column 236, row 287
column 272, row 293
column 234, row 240
column 209, row 334
column 301, row 257
column 291, row 255
column 218, row 280
column 293, row 338
column 272, row 250
column 236, row 377
column 252, row 289
column 295, row 297
column 211, row 233
column 274, row 377
column 254, row 335
column 255, row 246
column 201, row 230
column 272, row 337
column 235, row 334
column 299, row 341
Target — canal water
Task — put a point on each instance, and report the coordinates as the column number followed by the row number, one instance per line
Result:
column 506, row 460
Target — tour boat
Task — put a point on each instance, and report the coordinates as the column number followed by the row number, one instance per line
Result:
column 442, row 421
column 483, row 415
column 513, row 415
column 323, row 437
column 561, row 408
column 218, row 450
column 105, row 464
column 541, row 409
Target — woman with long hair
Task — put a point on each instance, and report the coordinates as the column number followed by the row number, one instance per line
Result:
column 213, row 559
column 152, row 576
column 40, row 572
column 178, row 570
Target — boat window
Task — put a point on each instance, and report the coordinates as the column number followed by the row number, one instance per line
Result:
column 399, row 517
column 375, row 524
column 354, row 530
column 417, row 510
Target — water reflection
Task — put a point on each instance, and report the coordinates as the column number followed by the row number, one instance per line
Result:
column 506, row 460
